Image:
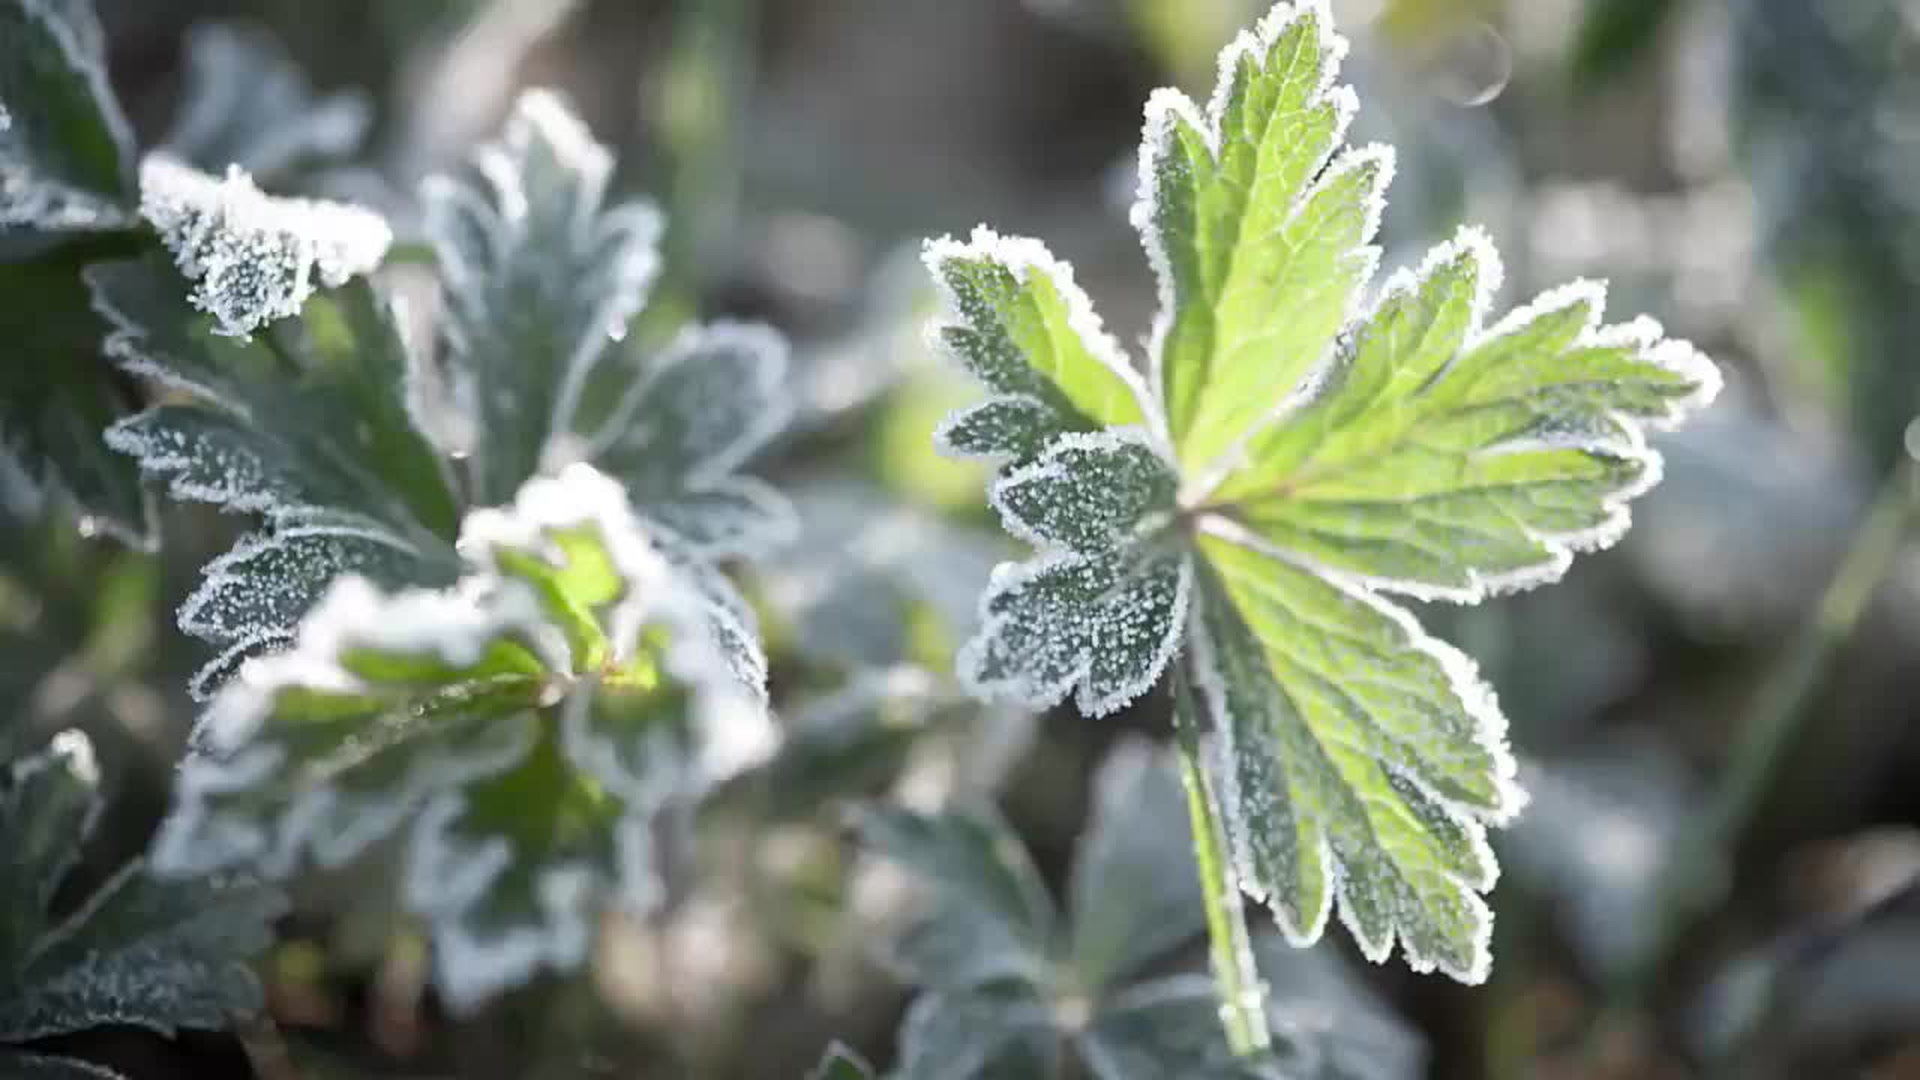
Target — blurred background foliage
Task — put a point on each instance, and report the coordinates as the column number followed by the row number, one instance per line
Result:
column 1720, row 875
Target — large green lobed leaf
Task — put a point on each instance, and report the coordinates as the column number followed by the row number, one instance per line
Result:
column 1309, row 448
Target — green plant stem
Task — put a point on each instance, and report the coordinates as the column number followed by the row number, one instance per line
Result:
column 1243, row 996
column 1690, row 885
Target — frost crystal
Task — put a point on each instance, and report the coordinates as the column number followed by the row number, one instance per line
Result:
column 1299, row 451
column 255, row 258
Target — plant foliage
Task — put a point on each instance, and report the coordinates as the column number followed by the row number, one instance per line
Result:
column 529, row 724
column 1299, row 449
column 66, row 174
column 134, row 952
column 1013, row 987
column 526, row 688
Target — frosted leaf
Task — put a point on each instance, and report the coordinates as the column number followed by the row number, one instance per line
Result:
column 254, row 258
column 1442, row 460
column 306, row 424
column 135, row 952
column 270, row 580
column 29, row 1066
column 988, row 918
column 1134, row 894
column 1360, row 759
column 840, row 1063
column 47, row 809
column 525, row 726
column 1101, row 626
column 1022, row 327
column 1087, row 493
column 1301, row 454
column 56, row 394
column 707, row 404
column 247, row 103
column 158, row 955
column 994, row 1034
column 1170, row 1027
column 848, row 742
column 66, row 151
column 1258, row 225
column 862, row 565
column 540, row 278
column 1117, row 996
column 1330, row 1025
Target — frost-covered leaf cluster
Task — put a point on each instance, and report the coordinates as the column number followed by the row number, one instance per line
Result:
column 310, row 420
column 1300, row 447
column 541, row 279
column 1012, row 987
column 525, row 727
column 135, row 952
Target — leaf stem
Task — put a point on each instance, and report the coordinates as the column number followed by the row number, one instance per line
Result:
column 1243, row 995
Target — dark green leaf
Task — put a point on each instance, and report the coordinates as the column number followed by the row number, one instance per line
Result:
column 66, row 152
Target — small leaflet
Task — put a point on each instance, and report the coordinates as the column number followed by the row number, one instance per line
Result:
column 1102, row 608
column 1301, row 448
column 254, row 258
column 247, row 103
column 707, row 403
column 539, row 279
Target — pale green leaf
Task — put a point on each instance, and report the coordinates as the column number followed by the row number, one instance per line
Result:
column 1026, row 331
column 1443, row 460
column 1169, row 1027
column 1118, row 998
column 1258, row 226
column 1360, row 756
